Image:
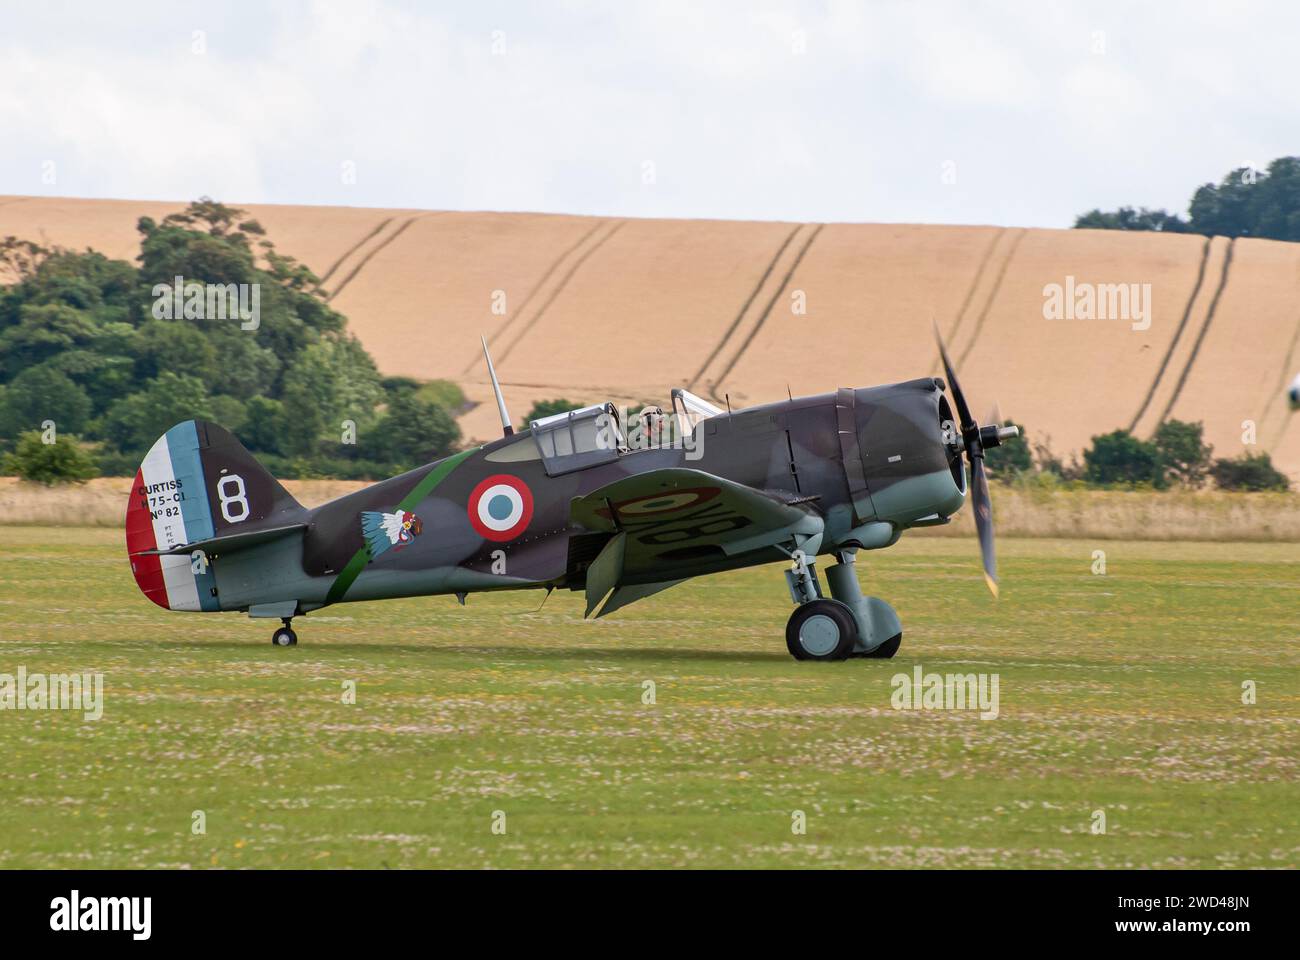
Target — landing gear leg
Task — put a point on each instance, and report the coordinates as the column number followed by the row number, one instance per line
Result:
column 803, row 579
column 879, row 631
column 284, row 636
column 819, row 629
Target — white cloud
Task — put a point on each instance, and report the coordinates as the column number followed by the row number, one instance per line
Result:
column 737, row 122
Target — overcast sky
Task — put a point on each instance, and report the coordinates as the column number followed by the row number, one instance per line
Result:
column 831, row 111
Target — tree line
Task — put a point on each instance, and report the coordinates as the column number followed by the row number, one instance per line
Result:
column 92, row 371
column 1245, row 203
column 1176, row 457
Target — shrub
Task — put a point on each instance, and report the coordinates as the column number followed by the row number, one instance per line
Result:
column 1121, row 458
column 1184, row 456
column 114, row 464
column 1049, row 463
column 63, row 461
column 394, row 387
column 1247, row 472
column 444, row 393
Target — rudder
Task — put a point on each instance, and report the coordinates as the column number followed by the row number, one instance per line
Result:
column 196, row 482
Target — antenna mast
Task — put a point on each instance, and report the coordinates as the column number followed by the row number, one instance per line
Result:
column 506, row 428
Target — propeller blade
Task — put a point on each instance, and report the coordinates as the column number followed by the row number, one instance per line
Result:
column 984, row 522
column 974, row 444
column 967, row 424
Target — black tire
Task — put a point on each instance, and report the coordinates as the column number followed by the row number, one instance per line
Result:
column 887, row 649
column 284, row 637
column 821, row 630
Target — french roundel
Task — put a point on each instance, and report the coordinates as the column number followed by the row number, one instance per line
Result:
column 500, row 507
column 670, row 502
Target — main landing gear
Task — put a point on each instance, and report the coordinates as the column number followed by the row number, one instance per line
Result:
column 849, row 624
column 284, row 636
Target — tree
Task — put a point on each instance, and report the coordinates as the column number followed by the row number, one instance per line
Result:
column 1250, row 473
column 1276, row 210
column 396, row 386
column 1126, row 218
column 445, row 393
column 264, row 425
column 135, row 422
column 335, row 380
column 1223, row 210
column 20, row 259
column 106, row 374
column 122, row 374
column 248, row 367
column 178, row 347
column 42, row 331
column 411, row 433
column 63, row 461
column 1184, row 457
column 1245, row 203
column 547, row 408
column 209, row 242
column 230, row 412
column 1121, row 458
column 43, row 393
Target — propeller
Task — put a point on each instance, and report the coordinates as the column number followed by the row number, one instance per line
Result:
column 975, row 439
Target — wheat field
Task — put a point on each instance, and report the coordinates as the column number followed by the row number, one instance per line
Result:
column 624, row 309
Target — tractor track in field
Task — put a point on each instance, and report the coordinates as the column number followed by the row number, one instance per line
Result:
column 776, row 294
column 1288, row 371
column 1178, row 334
column 353, row 249
column 951, row 336
column 1200, row 336
column 740, row 314
column 545, row 278
column 1284, row 379
column 352, row 275
column 993, row 294
column 564, row 282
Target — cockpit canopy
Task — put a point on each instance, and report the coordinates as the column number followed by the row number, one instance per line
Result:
column 579, row 438
column 598, row 434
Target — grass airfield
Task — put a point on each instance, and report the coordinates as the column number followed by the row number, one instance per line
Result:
column 1119, row 692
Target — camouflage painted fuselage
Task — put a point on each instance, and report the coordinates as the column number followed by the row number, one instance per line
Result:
column 865, row 463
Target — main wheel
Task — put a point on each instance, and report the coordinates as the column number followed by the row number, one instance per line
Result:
column 821, row 630
column 284, row 637
column 888, row 648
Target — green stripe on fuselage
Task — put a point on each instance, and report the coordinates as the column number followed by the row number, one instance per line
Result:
column 348, row 575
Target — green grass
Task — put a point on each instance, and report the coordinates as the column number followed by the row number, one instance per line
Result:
column 1119, row 692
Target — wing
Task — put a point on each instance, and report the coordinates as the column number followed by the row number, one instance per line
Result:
column 673, row 523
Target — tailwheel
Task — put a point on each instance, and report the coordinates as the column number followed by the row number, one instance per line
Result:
column 886, row 649
column 821, row 630
column 284, row 636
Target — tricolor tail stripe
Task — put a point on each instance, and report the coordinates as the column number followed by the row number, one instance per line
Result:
column 183, row 444
column 169, row 508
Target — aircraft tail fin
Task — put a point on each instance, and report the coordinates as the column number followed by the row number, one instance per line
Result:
column 198, row 484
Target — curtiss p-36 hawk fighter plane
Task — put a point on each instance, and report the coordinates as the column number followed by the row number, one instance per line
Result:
column 571, row 503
